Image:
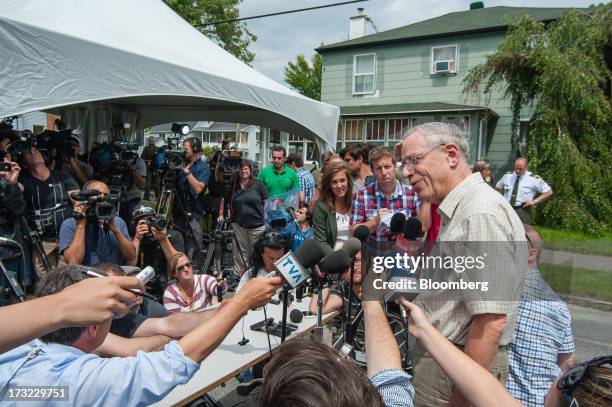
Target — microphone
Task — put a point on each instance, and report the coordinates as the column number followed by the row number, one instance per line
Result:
column 291, row 211
column 362, row 233
column 84, row 195
column 352, row 246
column 146, row 274
column 292, row 266
column 5, row 241
column 335, row 263
column 396, row 226
column 413, row 229
column 296, row 316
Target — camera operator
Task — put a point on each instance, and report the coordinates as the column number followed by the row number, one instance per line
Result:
column 154, row 244
column 86, row 239
column 77, row 169
column 47, row 196
column 131, row 199
column 12, row 206
column 193, row 177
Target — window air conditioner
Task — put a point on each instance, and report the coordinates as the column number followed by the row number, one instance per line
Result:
column 442, row 66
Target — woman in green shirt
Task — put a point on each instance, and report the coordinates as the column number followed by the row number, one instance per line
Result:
column 331, row 212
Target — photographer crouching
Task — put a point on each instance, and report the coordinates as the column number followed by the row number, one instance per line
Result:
column 94, row 234
column 154, row 245
column 193, row 177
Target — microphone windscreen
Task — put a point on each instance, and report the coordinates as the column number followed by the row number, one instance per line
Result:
column 412, row 229
column 362, row 233
column 397, row 223
column 352, row 246
column 309, row 253
column 296, row 316
column 336, row 263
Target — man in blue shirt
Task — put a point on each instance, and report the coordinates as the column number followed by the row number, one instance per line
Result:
column 63, row 358
column 86, row 240
column 192, row 179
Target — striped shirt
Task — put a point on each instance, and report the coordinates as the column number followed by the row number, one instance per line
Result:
column 205, row 289
column 543, row 331
column 394, row 387
column 369, row 199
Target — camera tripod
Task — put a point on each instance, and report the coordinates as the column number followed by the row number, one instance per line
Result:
column 169, row 197
column 35, row 241
column 215, row 247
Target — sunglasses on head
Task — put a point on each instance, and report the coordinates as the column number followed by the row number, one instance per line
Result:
column 570, row 379
column 184, row 266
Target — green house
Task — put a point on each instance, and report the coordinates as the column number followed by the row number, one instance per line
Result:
column 388, row 82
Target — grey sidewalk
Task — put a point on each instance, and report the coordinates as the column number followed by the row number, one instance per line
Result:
column 587, row 261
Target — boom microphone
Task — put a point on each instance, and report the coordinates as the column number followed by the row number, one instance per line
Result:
column 82, row 195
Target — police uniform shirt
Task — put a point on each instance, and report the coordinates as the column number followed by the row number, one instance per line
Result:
column 529, row 186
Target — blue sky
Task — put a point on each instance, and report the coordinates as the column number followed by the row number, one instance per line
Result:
column 282, row 38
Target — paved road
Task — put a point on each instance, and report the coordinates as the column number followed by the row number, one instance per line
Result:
column 592, row 332
column 587, row 261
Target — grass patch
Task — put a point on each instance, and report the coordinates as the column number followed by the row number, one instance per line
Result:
column 581, row 282
column 577, row 242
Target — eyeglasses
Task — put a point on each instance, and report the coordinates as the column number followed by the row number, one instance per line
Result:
column 413, row 160
column 570, row 379
column 184, row 266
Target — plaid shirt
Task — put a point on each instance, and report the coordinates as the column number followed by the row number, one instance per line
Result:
column 307, row 184
column 370, row 199
column 543, row 330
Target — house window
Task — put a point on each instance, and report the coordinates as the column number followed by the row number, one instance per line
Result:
column 339, row 131
column 444, row 59
column 397, row 128
column 354, row 130
column 375, row 130
column 463, row 122
column 417, row 121
column 364, row 72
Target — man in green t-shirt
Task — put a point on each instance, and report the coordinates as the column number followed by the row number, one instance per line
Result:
column 278, row 178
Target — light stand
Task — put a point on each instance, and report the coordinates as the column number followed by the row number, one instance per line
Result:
column 285, row 294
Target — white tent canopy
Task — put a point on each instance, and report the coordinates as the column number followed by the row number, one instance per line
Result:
column 138, row 59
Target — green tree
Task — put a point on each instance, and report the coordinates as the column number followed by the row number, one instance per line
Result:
column 305, row 77
column 234, row 37
column 563, row 71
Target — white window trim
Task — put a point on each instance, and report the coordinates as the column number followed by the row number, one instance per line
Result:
column 385, row 128
column 431, row 70
column 373, row 74
column 389, row 126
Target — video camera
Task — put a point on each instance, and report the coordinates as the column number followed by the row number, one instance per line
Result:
column 100, row 207
column 21, row 141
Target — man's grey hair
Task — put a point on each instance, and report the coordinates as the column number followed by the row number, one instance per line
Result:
column 436, row 133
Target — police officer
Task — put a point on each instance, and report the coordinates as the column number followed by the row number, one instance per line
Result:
column 521, row 187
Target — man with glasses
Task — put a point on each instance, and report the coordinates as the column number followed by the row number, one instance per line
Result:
column 473, row 216
column 85, row 240
column 277, row 177
column 47, row 196
column 543, row 344
column 375, row 204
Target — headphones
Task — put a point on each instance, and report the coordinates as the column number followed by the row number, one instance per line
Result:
column 195, row 144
